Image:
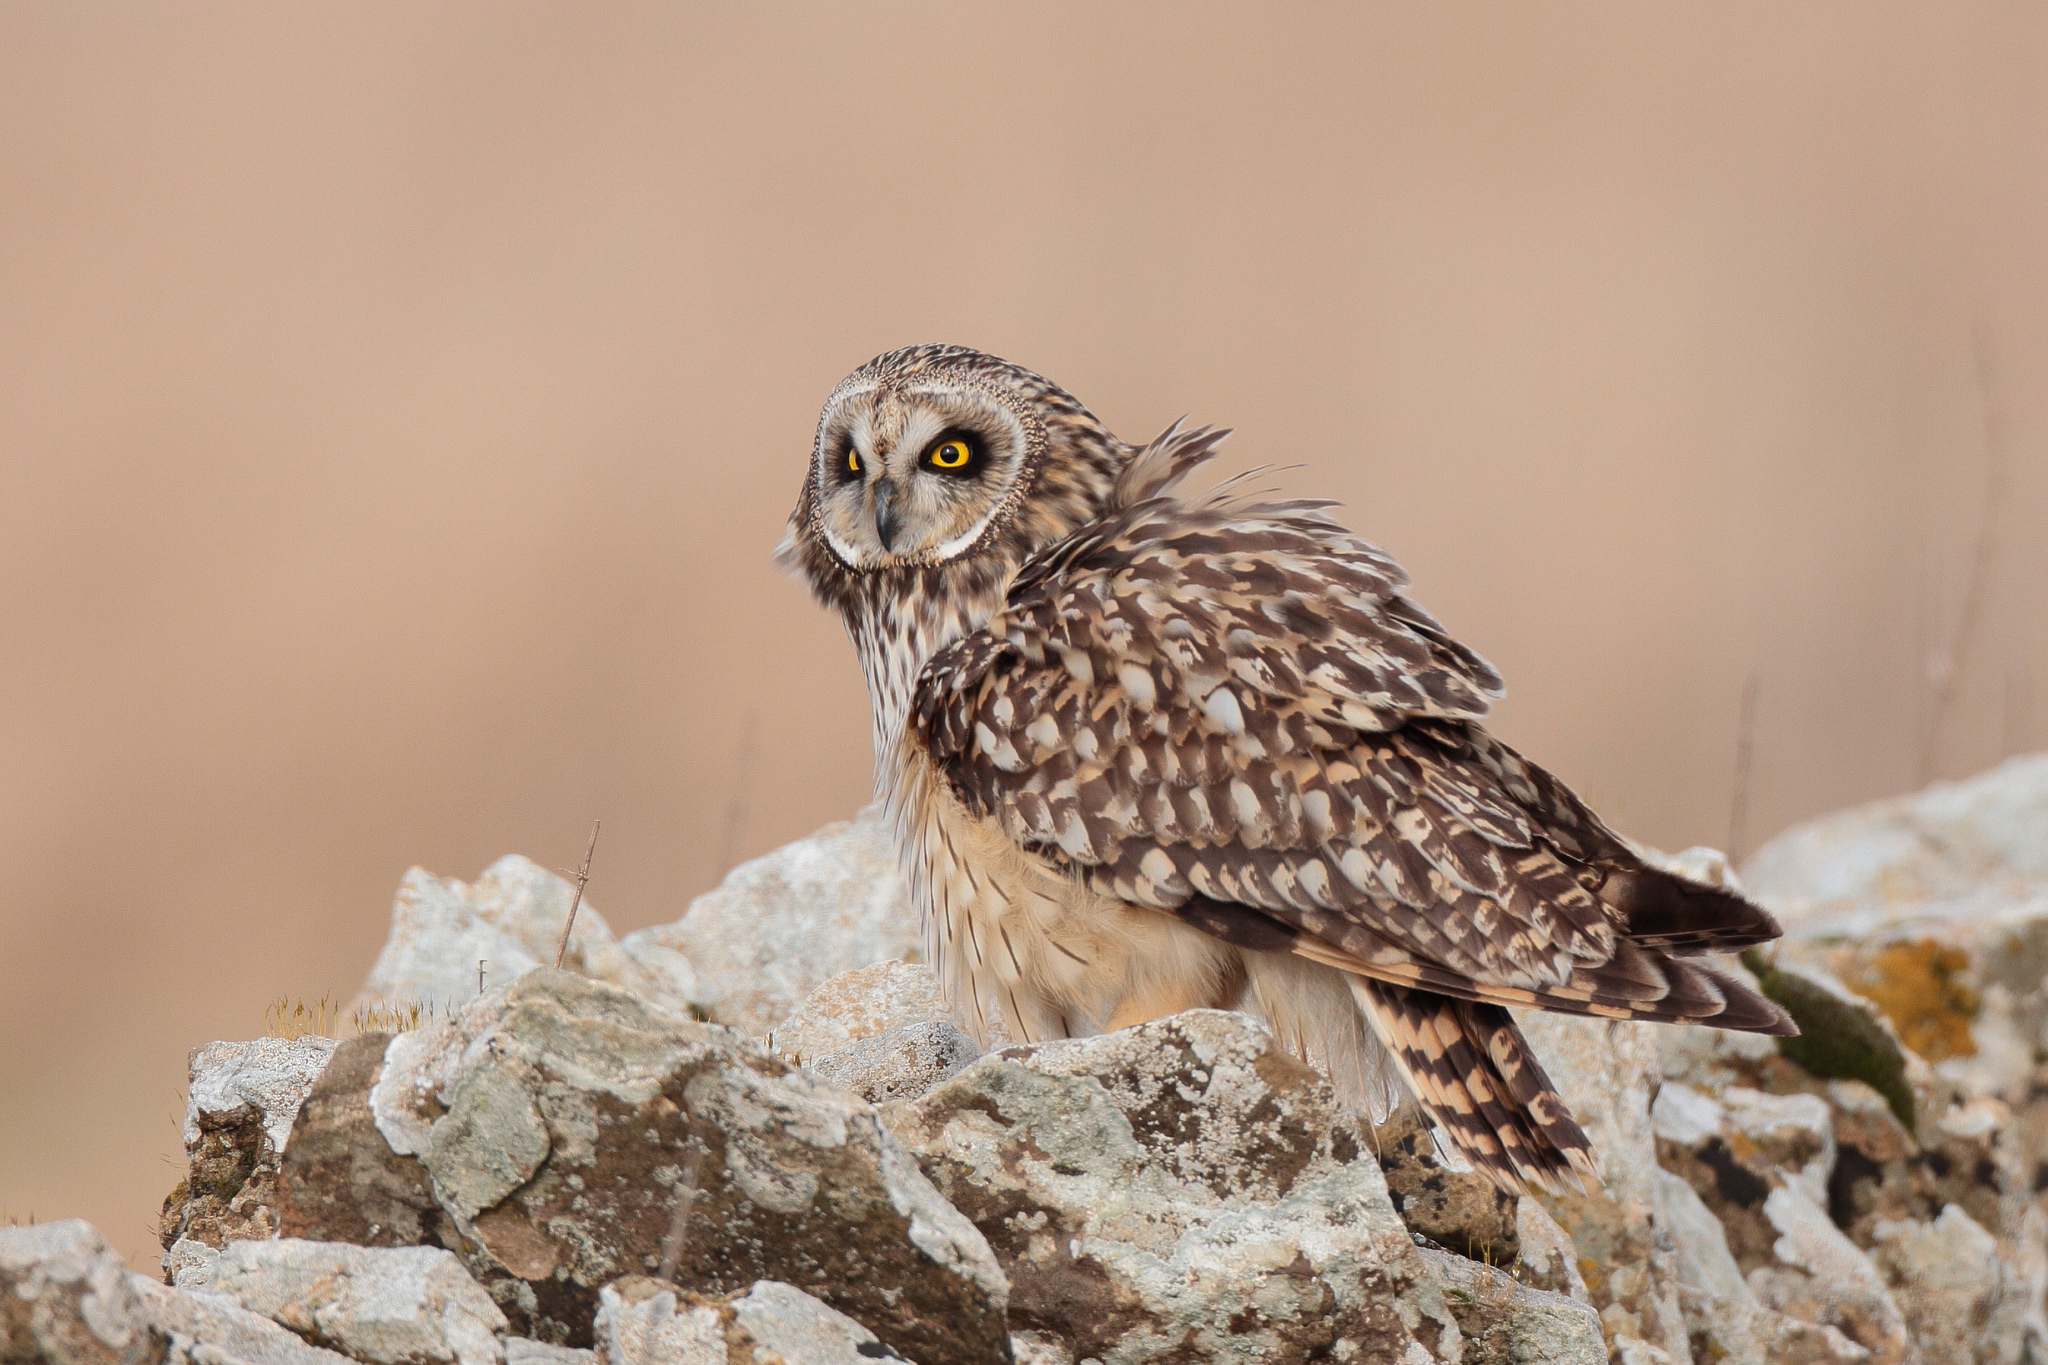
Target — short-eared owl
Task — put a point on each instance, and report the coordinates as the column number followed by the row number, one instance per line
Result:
column 1145, row 752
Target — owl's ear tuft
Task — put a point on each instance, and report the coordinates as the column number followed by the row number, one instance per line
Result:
column 1173, row 454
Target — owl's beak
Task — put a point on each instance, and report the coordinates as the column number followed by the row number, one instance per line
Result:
column 885, row 516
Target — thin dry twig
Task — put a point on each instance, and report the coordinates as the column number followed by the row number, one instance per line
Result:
column 582, row 876
column 1945, row 666
column 1745, row 748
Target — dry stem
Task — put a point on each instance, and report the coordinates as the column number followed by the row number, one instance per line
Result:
column 582, row 876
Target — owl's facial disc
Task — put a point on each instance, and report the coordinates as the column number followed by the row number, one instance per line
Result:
column 914, row 476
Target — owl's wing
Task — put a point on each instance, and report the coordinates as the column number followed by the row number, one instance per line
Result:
column 1233, row 714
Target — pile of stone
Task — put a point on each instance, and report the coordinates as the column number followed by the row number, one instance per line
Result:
column 756, row 1135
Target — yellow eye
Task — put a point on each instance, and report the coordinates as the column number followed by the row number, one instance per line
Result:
column 852, row 460
column 950, row 455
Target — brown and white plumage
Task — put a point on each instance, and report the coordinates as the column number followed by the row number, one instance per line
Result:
column 1145, row 752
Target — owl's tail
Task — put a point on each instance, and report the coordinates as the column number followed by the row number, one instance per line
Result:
column 1475, row 1075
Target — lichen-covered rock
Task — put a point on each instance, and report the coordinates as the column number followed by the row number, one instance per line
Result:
column 863, row 1003
column 1505, row 1321
column 510, row 919
column 1933, row 906
column 242, row 1102
column 386, row 1305
column 203, row 1328
column 643, row 1321
column 1186, row 1191
column 65, row 1299
column 780, row 926
column 1816, row 1274
column 897, row 1066
column 1459, row 1210
column 527, row 1351
column 1606, row 1072
column 1738, row 1330
column 1955, row 1287
column 574, row 1134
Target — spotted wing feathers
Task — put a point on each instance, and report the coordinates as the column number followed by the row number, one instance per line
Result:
column 1234, row 714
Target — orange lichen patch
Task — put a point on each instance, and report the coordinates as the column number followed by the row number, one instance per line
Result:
column 1919, row 986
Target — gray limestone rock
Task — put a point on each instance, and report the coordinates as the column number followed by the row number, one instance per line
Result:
column 1740, row 1331
column 642, row 1321
column 1509, row 1322
column 510, row 920
column 864, row 1003
column 243, row 1100
column 780, row 926
column 385, row 1305
column 1185, row 1190
column 1607, row 1072
column 66, row 1299
column 204, row 1328
column 897, row 1066
column 574, row 1134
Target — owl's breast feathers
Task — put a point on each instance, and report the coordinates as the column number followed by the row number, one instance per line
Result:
column 1230, row 713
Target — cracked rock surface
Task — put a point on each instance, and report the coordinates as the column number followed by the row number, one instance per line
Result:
column 1186, row 1191
column 572, row 1134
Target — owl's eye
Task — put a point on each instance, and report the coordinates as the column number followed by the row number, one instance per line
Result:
column 851, row 465
column 953, row 454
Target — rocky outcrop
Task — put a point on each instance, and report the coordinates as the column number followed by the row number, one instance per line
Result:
column 1185, row 1190
column 507, row 922
column 575, row 1165
column 572, row 1133
column 243, row 1100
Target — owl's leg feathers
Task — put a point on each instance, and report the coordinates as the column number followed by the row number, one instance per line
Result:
column 1482, row 1086
column 1158, row 1000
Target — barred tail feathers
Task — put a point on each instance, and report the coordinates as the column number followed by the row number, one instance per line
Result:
column 1476, row 1077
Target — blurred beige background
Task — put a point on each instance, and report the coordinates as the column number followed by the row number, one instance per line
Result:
column 398, row 404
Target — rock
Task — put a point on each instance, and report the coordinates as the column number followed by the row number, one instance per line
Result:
column 205, row 1329
column 1547, row 1256
column 1461, row 1211
column 1923, row 856
column 242, row 1103
column 1739, row 1331
column 340, row 1181
column 879, row 998
column 1606, row 1072
column 780, row 926
column 510, row 919
column 574, row 1133
column 526, row 1351
column 1186, row 1190
column 1505, row 1321
column 66, row 1299
column 1819, row 1276
column 897, row 1066
column 642, row 1321
column 189, row 1264
column 1956, row 1289
column 1704, row 1261
column 1934, row 906
column 387, row 1305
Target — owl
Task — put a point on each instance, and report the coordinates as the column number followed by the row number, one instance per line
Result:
column 1143, row 752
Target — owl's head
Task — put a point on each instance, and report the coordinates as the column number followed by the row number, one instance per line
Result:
column 937, row 456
